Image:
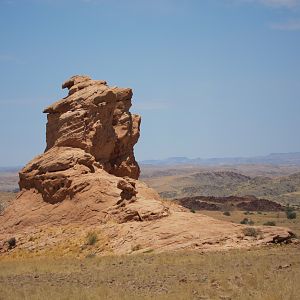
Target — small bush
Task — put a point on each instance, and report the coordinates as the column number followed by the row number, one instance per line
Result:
column 12, row 242
column 226, row 213
column 248, row 213
column 192, row 211
column 251, row 231
column 91, row 238
column 291, row 214
column 244, row 221
column 247, row 221
column 270, row 223
column 259, row 212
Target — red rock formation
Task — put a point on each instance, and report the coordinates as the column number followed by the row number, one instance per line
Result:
column 88, row 130
column 87, row 179
column 90, row 139
column 95, row 118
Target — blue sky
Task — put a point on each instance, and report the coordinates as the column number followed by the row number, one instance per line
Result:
column 211, row 78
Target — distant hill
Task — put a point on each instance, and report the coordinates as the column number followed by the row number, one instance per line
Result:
column 273, row 159
column 14, row 169
column 224, row 183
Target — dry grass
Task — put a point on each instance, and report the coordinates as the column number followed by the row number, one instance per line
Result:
column 267, row 273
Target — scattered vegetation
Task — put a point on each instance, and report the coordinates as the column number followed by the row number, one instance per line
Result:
column 270, row 223
column 226, row 213
column 192, row 211
column 91, row 238
column 260, row 219
column 251, row 231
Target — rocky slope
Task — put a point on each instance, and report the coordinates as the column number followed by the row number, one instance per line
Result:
column 87, row 180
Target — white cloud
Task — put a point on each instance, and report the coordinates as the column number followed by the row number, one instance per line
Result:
column 289, row 25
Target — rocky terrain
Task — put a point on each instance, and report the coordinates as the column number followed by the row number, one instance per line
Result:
column 275, row 183
column 86, row 182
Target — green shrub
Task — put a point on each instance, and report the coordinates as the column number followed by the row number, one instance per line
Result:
column 12, row 242
column 270, row 223
column 251, row 231
column 291, row 214
column 244, row 221
column 247, row 221
column 91, row 238
column 248, row 213
column 226, row 213
column 192, row 211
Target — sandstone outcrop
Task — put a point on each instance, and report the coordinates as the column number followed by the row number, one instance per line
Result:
column 87, row 180
column 88, row 171
column 95, row 118
column 89, row 130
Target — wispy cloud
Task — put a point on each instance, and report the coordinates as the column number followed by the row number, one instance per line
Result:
column 290, row 25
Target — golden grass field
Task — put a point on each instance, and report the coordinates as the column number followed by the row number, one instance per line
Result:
column 266, row 273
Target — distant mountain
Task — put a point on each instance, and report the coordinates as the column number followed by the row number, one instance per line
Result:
column 272, row 159
column 10, row 169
